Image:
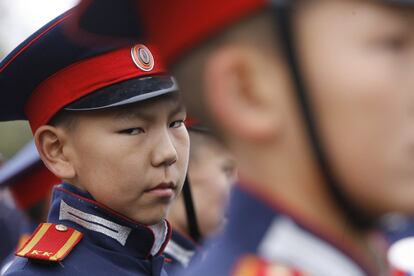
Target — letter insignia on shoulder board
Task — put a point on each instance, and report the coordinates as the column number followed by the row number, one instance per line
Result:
column 50, row 242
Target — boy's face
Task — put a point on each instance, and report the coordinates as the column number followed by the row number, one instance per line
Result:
column 212, row 172
column 358, row 59
column 132, row 159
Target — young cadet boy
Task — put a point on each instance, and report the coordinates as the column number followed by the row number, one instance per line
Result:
column 315, row 99
column 109, row 123
column 200, row 210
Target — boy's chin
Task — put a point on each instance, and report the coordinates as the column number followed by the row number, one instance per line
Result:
column 153, row 221
column 150, row 220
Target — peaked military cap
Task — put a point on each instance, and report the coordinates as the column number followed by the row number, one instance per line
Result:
column 51, row 71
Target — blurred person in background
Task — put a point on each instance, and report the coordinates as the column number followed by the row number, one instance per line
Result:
column 30, row 184
column 199, row 211
column 314, row 99
column 11, row 220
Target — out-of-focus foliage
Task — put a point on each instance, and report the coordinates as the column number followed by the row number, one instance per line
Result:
column 13, row 135
column 18, row 19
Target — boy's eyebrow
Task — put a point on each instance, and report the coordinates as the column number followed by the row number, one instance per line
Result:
column 135, row 114
column 179, row 107
column 129, row 114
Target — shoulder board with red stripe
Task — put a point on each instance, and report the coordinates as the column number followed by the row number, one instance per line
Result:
column 50, row 242
column 255, row 266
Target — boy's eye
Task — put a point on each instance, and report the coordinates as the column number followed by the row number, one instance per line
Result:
column 132, row 131
column 177, row 124
column 229, row 170
column 395, row 43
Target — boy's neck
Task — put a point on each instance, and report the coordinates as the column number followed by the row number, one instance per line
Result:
column 75, row 184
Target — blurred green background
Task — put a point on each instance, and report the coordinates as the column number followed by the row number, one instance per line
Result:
column 13, row 135
column 18, row 20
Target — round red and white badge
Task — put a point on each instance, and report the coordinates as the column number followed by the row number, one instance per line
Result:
column 142, row 57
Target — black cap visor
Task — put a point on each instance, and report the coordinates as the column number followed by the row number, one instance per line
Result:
column 126, row 92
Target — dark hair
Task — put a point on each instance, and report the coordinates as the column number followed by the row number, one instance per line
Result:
column 199, row 139
column 65, row 119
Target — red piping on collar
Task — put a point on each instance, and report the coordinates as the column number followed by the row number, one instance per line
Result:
column 162, row 248
column 106, row 208
column 115, row 213
column 166, row 240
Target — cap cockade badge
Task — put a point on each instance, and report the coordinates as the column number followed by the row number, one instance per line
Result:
column 142, row 57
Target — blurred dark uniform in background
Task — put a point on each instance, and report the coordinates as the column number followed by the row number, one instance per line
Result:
column 10, row 221
column 30, row 183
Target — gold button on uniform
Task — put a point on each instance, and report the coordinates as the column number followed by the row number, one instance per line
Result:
column 61, row 228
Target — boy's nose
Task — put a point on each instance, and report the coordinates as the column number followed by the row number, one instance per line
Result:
column 164, row 153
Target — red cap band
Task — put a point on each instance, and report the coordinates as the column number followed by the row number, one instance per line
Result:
column 80, row 79
column 177, row 26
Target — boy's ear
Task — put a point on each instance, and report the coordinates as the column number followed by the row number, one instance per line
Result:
column 238, row 94
column 50, row 142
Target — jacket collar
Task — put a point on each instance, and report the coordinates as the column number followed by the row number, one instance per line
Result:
column 105, row 227
column 181, row 248
column 277, row 233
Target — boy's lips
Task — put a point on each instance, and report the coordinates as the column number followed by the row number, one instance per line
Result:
column 164, row 189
